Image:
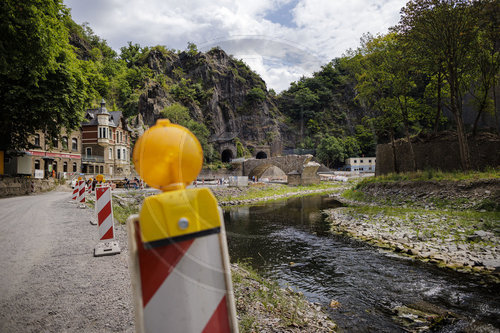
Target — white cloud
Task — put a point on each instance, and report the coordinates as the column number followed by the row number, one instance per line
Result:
column 321, row 29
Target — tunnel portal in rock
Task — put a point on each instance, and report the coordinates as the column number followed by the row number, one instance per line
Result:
column 227, row 156
column 261, row 155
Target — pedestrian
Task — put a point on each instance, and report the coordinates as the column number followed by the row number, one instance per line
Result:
column 127, row 183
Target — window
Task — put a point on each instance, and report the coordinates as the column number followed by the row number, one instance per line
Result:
column 121, row 136
column 126, row 138
column 110, row 156
column 91, row 169
column 369, row 161
column 37, row 164
column 355, row 161
column 65, row 167
column 118, row 155
column 65, row 142
column 102, row 169
column 103, row 132
column 74, row 167
column 360, row 161
column 55, row 143
column 88, row 151
column 124, row 154
column 74, row 144
column 37, row 140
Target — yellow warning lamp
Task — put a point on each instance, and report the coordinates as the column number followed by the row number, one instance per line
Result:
column 80, row 178
column 168, row 156
column 99, row 178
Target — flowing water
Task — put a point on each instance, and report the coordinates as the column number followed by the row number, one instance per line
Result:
column 289, row 241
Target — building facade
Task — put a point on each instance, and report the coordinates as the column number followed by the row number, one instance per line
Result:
column 363, row 164
column 58, row 157
column 105, row 143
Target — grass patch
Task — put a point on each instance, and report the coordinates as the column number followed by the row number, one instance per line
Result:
column 355, row 195
column 432, row 175
column 257, row 192
column 121, row 213
column 256, row 297
column 426, row 224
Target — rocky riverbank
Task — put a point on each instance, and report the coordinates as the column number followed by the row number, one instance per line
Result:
column 262, row 306
column 452, row 224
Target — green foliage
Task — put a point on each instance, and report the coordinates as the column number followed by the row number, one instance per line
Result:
column 42, row 83
column 333, row 151
column 256, row 95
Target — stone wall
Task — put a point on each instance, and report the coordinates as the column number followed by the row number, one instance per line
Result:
column 439, row 152
column 14, row 186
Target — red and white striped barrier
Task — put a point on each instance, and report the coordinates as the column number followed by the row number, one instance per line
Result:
column 104, row 211
column 81, row 194
column 75, row 193
column 89, row 189
column 182, row 284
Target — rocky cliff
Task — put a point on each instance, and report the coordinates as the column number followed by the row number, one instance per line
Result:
column 219, row 91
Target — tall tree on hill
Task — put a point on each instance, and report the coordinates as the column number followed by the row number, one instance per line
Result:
column 42, row 84
column 385, row 81
column 445, row 31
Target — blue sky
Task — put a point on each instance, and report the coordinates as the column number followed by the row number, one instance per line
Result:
column 281, row 40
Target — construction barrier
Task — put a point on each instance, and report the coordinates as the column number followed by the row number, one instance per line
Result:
column 81, row 194
column 107, row 244
column 181, row 274
column 75, row 193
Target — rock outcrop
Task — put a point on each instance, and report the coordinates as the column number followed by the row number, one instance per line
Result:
column 219, row 91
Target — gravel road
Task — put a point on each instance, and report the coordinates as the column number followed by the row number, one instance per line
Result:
column 49, row 279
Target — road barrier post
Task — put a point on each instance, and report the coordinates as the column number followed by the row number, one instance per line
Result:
column 81, row 194
column 178, row 252
column 107, row 244
column 75, row 193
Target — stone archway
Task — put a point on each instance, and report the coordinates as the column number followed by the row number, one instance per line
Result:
column 261, row 155
column 270, row 171
column 226, row 156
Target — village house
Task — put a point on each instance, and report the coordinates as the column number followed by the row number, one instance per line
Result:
column 49, row 157
column 105, row 143
column 363, row 164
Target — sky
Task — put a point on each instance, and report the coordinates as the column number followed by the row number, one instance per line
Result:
column 282, row 40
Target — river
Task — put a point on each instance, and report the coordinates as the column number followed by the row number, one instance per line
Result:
column 290, row 242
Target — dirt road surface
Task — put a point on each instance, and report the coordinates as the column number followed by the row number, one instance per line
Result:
column 49, row 279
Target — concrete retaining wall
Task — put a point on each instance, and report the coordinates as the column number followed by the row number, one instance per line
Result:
column 13, row 186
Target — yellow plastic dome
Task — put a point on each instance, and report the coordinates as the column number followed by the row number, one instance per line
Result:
column 168, row 156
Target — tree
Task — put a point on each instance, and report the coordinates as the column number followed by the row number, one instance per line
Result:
column 332, row 151
column 385, row 82
column 444, row 31
column 43, row 86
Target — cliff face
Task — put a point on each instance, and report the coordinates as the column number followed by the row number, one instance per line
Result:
column 220, row 91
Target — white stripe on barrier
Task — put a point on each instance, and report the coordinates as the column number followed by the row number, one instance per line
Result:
column 189, row 287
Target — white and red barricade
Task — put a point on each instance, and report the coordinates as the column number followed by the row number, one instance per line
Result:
column 182, row 283
column 74, row 197
column 81, row 194
column 107, row 244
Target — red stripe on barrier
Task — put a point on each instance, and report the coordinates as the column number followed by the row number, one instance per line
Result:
column 156, row 264
column 108, row 234
column 104, row 213
column 219, row 322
